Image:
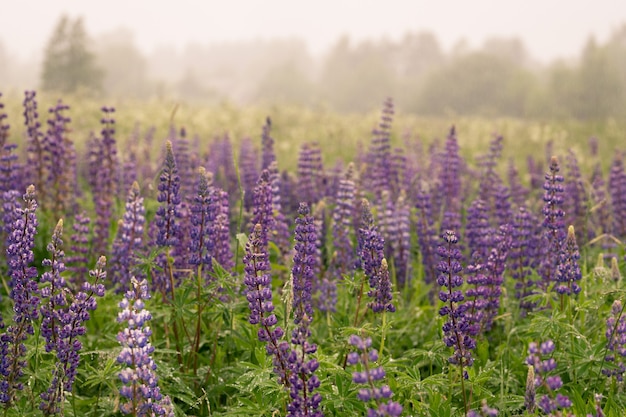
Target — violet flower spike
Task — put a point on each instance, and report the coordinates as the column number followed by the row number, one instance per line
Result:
column 378, row 399
column 25, row 295
column 141, row 392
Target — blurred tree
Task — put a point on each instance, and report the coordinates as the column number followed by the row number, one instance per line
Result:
column 476, row 83
column 359, row 78
column 286, row 84
column 601, row 91
column 509, row 49
column 124, row 67
column 68, row 64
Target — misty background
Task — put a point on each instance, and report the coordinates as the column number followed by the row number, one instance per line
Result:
column 499, row 76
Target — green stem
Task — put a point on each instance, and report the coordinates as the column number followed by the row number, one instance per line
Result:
column 383, row 332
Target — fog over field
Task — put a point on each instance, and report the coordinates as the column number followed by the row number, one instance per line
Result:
column 248, row 51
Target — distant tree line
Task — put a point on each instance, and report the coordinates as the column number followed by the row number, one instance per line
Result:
column 498, row 79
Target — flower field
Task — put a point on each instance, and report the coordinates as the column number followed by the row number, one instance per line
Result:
column 308, row 264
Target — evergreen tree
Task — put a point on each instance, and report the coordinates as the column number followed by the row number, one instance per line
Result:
column 68, row 63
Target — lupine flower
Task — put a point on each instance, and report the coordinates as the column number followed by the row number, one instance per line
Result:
column 25, row 295
column 617, row 189
column 554, row 226
column 257, row 280
column 380, row 151
column 203, row 210
column 494, row 270
column 263, row 211
column 551, row 402
column 248, row 167
column 524, row 255
column 458, row 329
column 267, row 145
column 66, row 320
column 399, row 180
column 129, row 239
column 378, row 399
column 343, row 214
column 575, row 194
column 105, row 187
column 167, row 217
column 4, row 127
column 310, row 171
column 568, row 272
column 303, row 381
column 222, row 252
column 478, row 231
column 183, row 163
column 280, row 233
column 401, row 241
column 221, row 162
column 449, row 189
column 426, row 234
column 372, row 257
column 600, row 215
column 37, row 152
column 9, row 166
column 61, row 158
column 535, row 170
column 78, row 255
column 616, row 342
column 519, row 193
column 141, row 391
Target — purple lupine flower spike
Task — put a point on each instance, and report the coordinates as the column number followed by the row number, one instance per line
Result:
column 617, row 190
column 401, row 242
column 249, row 170
column 4, row 126
column 141, row 391
column 203, row 210
column 554, row 226
column 303, row 381
column 372, row 395
column 426, row 234
column 458, row 329
column 129, row 240
column 380, row 152
column 267, row 145
column 568, row 272
column 71, row 318
column 61, row 171
column 263, row 210
column 106, row 182
column 280, row 234
column 540, row 358
column 372, row 257
column 222, row 252
column 167, row 219
column 575, row 195
column 257, row 280
column 308, row 173
column 78, row 256
column 525, row 246
column 25, row 295
column 343, row 214
column 36, row 148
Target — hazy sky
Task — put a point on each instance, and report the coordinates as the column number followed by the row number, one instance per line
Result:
column 549, row 28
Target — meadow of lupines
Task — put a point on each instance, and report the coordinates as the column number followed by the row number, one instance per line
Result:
column 402, row 281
